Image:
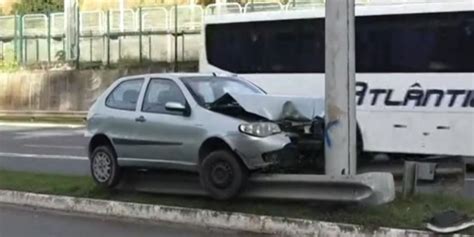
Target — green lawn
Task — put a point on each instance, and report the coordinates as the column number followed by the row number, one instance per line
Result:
column 409, row 213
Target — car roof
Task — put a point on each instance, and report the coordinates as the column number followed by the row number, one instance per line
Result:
column 175, row 75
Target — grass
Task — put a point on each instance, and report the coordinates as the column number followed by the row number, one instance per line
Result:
column 402, row 213
column 43, row 119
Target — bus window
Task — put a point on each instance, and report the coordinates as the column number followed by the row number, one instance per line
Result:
column 267, row 47
column 435, row 42
column 409, row 43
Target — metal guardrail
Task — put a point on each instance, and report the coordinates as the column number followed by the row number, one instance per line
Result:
column 43, row 114
column 468, row 170
column 367, row 189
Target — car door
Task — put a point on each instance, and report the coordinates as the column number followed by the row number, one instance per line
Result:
column 120, row 110
column 166, row 135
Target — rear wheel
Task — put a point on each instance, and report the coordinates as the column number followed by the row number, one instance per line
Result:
column 104, row 167
column 223, row 175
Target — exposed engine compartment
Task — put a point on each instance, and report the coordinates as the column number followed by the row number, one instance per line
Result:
column 308, row 142
column 294, row 116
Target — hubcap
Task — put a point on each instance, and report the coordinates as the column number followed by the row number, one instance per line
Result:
column 221, row 174
column 102, row 167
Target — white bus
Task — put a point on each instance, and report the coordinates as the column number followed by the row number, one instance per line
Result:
column 414, row 63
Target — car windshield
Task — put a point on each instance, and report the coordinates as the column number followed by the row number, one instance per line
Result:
column 206, row 90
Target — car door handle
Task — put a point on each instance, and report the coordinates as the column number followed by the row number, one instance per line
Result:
column 400, row 126
column 140, row 119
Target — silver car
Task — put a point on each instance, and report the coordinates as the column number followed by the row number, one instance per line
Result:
column 221, row 127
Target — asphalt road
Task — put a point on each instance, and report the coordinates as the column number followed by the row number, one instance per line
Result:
column 64, row 151
column 49, row 150
column 25, row 221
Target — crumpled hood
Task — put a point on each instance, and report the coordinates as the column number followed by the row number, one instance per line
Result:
column 277, row 108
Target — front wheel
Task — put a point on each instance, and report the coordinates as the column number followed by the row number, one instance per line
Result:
column 223, row 175
column 104, row 167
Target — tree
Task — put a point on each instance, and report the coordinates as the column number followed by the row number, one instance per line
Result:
column 37, row 6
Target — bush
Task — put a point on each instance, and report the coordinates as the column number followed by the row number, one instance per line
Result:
column 8, row 62
column 37, row 6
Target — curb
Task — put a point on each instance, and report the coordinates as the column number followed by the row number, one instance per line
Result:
column 199, row 217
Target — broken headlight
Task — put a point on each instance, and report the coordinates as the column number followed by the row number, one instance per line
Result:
column 263, row 129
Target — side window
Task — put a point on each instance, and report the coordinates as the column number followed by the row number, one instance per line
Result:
column 160, row 92
column 125, row 95
column 428, row 42
column 267, row 46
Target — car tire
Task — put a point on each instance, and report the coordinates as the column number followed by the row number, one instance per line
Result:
column 104, row 167
column 223, row 175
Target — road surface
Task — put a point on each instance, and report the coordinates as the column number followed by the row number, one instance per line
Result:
column 24, row 221
column 64, row 151
column 48, row 150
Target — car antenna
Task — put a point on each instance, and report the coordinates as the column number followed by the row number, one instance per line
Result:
column 214, row 74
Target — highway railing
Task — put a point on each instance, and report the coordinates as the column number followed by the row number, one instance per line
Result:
column 54, row 116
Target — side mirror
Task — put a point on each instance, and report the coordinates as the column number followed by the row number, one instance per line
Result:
column 175, row 106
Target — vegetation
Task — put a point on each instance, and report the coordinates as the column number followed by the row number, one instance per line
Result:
column 8, row 66
column 7, row 61
column 37, row 6
column 402, row 213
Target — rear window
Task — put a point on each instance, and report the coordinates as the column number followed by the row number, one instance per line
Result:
column 125, row 95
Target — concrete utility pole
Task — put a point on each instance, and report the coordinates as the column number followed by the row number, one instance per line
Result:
column 340, row 142
column 70, row 25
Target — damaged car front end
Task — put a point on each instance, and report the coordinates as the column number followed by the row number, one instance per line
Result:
column 269, row 120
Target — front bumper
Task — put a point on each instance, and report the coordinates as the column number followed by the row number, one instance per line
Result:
column 285, row 157
column 252, row 149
